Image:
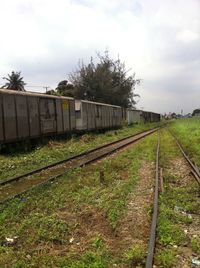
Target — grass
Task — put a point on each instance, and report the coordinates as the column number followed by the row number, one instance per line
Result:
column 166, row 258
column 175, row 205
column 20, row 162
column 72, row 222
column 196, row 245
column 89, row 259
column 136, row 254
column 188, row 132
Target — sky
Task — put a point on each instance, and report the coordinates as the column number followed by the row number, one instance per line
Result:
column 159, row 40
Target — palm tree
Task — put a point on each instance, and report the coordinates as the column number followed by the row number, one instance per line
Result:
column 14, row 81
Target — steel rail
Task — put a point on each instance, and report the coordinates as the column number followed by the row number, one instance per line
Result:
column 152, row 240
column 16, row 178
column 195, row 169
column 195, row 172
column 86, row 161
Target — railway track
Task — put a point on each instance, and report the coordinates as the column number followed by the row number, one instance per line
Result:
column 14, row 187
column 194, row 169
column 195, row 172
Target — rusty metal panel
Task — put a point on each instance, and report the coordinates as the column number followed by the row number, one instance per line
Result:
column 84, row 115
column 133, row 116
column 1, row 119
column 119, row 116
column 22, row 116
column 91, row 116
column 10, row 124
column 72, row 114
column 98, row 116
column 65, row 110
column 108, row 117
column 59, row 118
column 102, row 116
column 34, row 121
column 47, row 115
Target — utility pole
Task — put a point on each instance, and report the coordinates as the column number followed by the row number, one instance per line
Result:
column 46, row 88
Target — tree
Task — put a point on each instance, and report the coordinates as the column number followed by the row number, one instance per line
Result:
column 65, row 88
column 51, row 92
column 196, row 112
column 15, row 81
column 105, row 81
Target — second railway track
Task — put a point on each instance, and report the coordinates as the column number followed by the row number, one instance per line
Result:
column 196, row 174
column 18, row 185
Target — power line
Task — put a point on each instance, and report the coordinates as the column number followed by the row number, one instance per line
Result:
column 33, row 86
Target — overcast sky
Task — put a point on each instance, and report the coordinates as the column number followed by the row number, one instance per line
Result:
column 158, row 39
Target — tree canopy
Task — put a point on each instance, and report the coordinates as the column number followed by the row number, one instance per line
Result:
column 65, row 88
column 196, row 112
column 14, row 81
column 105, row 81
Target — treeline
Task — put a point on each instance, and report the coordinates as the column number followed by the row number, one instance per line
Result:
column 103, row 80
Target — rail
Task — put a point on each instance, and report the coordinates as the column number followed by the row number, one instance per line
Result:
column 152, row 240
column 195, row 169
column 196, row 173
column 60, row 168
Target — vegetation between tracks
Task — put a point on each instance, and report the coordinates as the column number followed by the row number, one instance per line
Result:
column 16, row 163
column 179, row 209
column 188, row 133
column 75, row 221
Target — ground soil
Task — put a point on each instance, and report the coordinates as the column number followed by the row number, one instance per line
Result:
column 132, row 229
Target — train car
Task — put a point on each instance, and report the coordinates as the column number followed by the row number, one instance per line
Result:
column 25, row 115
column 150, row 117
column 95, row 116
column 155, row 117
column 133, row 116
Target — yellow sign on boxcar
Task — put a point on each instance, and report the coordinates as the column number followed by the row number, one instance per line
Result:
column 65, row 104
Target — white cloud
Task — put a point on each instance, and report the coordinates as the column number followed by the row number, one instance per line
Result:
column 187, row 36
column 159, row 40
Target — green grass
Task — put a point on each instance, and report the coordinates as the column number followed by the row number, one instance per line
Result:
column 20, row 162
column 136, row 254
column 79, row 206
column 196, row 245
column 89, row 259
column 188, row 133
column 175, row 205
column 165, row 258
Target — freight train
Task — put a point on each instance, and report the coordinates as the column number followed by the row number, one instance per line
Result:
column 25, row 115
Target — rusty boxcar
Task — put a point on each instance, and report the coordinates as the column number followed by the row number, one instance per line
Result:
column 25, row 115
column 94, row 115
column 149, row 117
column 133, row 116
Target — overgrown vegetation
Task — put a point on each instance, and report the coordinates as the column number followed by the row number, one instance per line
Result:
column 72, row 222
column 188, row 132
column 178, row 206
column 136, row 255
column 18, row 162
column 102, row 80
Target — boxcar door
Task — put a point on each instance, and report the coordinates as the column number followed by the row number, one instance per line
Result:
column 34, row 119
column 1, row 119
column 22, row 116
column 47, row 115
column 10, row 117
